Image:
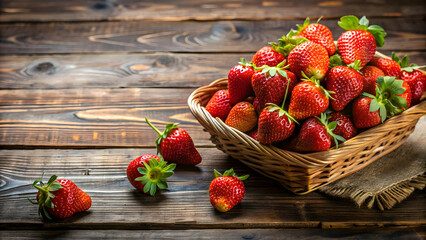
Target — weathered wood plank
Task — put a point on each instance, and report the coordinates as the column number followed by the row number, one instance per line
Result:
column 254, row 234
column 93, row 117
column 55, row 10
column 153, row 36
column 184, row 205
column 124, row 70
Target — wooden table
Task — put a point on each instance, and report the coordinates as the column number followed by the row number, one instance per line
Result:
column 78, row 77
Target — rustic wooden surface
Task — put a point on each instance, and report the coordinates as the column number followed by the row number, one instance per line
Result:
column 78, row 77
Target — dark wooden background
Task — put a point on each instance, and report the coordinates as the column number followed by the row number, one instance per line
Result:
column 78, row 77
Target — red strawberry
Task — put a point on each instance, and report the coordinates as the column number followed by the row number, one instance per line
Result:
column 275, row 125
column 269, row 84
column 242, row 116
column 371, row 73
column 219, row 105
column 226, row 190
column 60, row 198
column 388, row 66
column 345, row 127
column 317, row 33
column 308, row 99
column 148, row 172
column 346, row 83
column 360, row 40
column 267, row 56
column 256, row 105
column 239, row 81
column 175, row 145
column 253, row 134
column 309, row 58
column 315, row 135
column 363, row 117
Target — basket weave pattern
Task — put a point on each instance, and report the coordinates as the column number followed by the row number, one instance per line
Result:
column 303, row 173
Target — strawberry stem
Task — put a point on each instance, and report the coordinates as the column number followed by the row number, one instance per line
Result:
column 153, row 127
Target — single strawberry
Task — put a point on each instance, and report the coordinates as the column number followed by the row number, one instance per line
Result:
column 345, row 127
column 60, row 198
column 346, row 83
column 253, row 134
column 308, row 99
column 226, row 190
column 388, row 66
column 149, row 172
column 315, row 135
column 371, row 73
column 362, row 115
column 414, row 78
column 219, row 105
column 239, row 81
column 175, row 145
column 360, row 40
column 267, row 56
column 270, row 83
column 242, row 116
column 309, row 58
column 317, row 33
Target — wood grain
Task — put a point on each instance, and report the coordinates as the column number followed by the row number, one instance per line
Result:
column 168, row 70
column 404, row 34
column 93, row 117
column 80, row 10
column 184, row 205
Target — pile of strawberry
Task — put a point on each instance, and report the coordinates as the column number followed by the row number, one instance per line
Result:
column 306, row 94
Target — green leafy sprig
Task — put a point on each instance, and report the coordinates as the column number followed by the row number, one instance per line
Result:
column 230, row 173
column 404, row 63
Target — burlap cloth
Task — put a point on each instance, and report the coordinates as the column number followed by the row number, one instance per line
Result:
column 390, row 179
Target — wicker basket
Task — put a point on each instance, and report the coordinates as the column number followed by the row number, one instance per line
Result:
column 303, row 173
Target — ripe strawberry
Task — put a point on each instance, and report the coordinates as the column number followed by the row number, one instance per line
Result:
column 371, row 73
column 60, row 198
column 226, row 190
column 345, row 127
column 148, row 172
column 317, row 33
column 388, row 66
column 219, row 105
column 360, row 40
column 308, row 99
column 254, row 134
column 346, row 83
column 315, row 135
column 239, row 81
column 309, row 58
column 269, row 84
column 362, row 115
column 175, row 145
column 275, row 125
column 267, row 56
column 242, row 116
column 414, row 78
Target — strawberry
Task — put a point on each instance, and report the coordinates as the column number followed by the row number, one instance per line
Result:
column 60, row 198
column 269, row 84
column 362, row 115
column 371, row 73
column 254, row 134
column 175, row 145
column 388, row 66
column 309, row 58
column 267, row 56
column 256, row 105
column 149, row 172
column 239, row 81
column 414, row 78
column 345, row 127
column 219, row 105
column 360, row 40
column 226, row 190
column 242, row 116
column 317, row 33
column 308, row 99
column 346, row 83
column 315, row 135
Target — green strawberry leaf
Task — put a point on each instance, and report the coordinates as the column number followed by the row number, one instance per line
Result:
column 302, row 26
column 348, row 22
column 378, row 33
column 374, row 105
column 367, row 95
column 382, row 113
column 332, row 125
column 336, row 60
column 399, row 101
column 404, row 62
column 364, row 21
column 282, row 73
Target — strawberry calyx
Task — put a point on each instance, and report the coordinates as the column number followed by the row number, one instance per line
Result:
column 44, row 197
column 288, row 42
column 281, row 112
column 335, row 60
column 230, row 173
column 271, row 71
column 356, row 65
column 351, row 22
column 244, row 63
column 404, row 63
column 318, row 84
column 154, row 175
column 162, row 135
column 330, row 127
